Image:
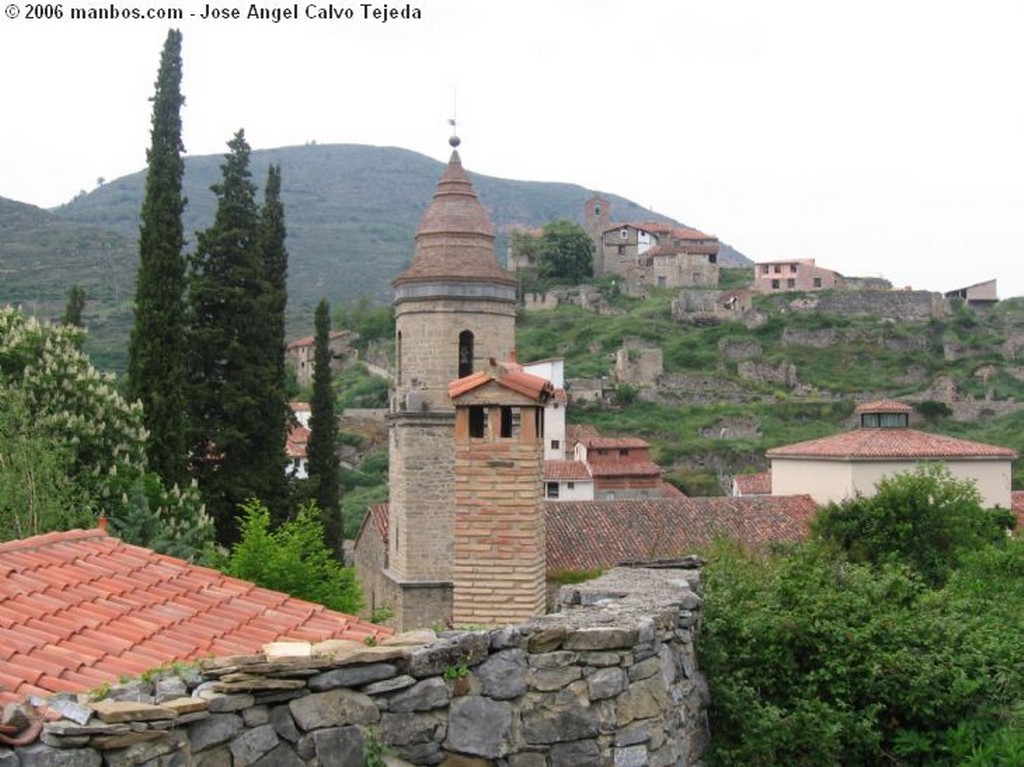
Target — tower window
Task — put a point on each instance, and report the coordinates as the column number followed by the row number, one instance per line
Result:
column 465, row 353
column 506, row 422
column 477, row 420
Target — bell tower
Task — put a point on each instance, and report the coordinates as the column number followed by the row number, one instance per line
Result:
column 454, row 311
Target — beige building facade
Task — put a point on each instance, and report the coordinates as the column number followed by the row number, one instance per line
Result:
column 835, row 468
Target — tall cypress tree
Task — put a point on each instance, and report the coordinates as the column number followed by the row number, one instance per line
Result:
column 321, row 449
column 236, row 457
column 156, row 353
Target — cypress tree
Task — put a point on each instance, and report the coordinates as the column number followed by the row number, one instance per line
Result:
column 321, row 450
column 236, row 455
column 74, row 307
column 156, row 353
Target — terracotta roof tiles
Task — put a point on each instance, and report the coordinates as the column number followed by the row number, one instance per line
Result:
column 888, row 443
column 754, row 484
column 131, row 610
column 568, row 471
column 589, row 535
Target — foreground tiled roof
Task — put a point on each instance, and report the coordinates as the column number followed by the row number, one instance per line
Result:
column 590, row 535
column 597, row 442
column 507, row 375
column 897, row 443
column 81, row 608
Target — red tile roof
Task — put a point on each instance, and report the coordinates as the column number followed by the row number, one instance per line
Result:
column 898, row 443
column 884, row 406
column 79, row 608
column 598, row 442
column 636, row 467
column 507, row 375
column 589, row 535
column 754, row 484
column 569, row 471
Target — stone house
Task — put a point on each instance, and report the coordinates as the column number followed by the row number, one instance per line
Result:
column 838, row 467
column 650, row 253
column 299, row 354
column 979, row 294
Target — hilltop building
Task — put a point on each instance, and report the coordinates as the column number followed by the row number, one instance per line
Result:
column 651, row 253
column 837, row 467
column 299, row 353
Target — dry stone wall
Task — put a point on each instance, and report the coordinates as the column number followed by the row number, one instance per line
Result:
column 612, row 680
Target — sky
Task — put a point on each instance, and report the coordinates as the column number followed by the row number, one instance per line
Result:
column 880, row 138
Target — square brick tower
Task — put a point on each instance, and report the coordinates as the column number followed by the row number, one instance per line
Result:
column 499, row 536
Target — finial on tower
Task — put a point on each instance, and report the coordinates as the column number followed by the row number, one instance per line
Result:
column 454, row 141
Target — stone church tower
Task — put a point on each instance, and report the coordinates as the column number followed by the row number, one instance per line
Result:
column 454, row 312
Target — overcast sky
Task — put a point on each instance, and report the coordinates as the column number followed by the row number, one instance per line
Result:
column 881, row 138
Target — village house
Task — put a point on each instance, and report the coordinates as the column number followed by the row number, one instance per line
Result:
column 298, row 354
column 297, row 440
column 979, row 294
column 841, row 466
column 651, row 253
column 794, row 274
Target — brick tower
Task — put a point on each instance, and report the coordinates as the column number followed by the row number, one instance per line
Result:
column 499, row 535
column 454, row 308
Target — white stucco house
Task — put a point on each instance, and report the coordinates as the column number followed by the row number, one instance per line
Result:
column 843, row 465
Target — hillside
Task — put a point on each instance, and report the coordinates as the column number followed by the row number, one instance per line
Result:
column 351, row 212
column 782, row 373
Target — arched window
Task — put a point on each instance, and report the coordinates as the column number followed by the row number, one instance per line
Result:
column 465, row 353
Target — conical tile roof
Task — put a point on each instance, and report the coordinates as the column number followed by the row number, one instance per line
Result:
column 455, row 238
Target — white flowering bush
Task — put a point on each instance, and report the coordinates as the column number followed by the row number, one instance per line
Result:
column 99, row 438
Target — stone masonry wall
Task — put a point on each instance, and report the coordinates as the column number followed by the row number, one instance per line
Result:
column 612, row 679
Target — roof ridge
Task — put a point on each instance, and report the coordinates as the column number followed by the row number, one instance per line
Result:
column 48, row 539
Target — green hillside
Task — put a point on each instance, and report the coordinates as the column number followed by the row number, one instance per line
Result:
column 351, row 212
column 733, row 390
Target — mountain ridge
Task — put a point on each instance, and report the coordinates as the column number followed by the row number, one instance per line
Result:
column 351, row 212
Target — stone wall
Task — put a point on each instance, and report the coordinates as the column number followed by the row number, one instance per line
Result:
column 612, row 679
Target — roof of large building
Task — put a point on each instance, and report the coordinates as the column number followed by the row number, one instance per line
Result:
column 866, row 444
column 81, row 608
column 455, row 238
column 590, row 535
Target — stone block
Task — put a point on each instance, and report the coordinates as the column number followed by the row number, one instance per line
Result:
column 606, row 683
column 410, row 728
column 280, row 756
column 339, row 746
column 334, row 708
column 423, row 696
column 252, row 744
column 352, row 676
column 284, row 725
column 217, row 729
column 503, row 675
column 631, row 756
column 479, row 726
column 601, row 638
column 575, row 753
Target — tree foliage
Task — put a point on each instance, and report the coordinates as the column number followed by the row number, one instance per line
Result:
column 74, row 307
column 814, row 659
column 235, row 392
column 294, row 559
column 73, row 448
column 563, row 251
column 156, row 353
column 925, row 519
column 322, row 448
